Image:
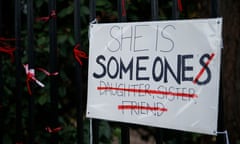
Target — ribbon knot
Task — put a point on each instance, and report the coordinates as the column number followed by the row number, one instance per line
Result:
column 31, row 77
column 78, row 54
column 53, row 14
column 47, row 18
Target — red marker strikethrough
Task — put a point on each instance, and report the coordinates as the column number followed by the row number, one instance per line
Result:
column 129, row 107
column 150, row 91
column 203, row 68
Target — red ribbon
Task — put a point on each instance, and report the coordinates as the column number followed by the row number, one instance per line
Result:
column 47, row 18
column 123, row 8
column 31, row 77
column 5, row 48
column 8, row 50
column 78, row 54
column 53, row 130
column 180, row 8
column 46, row 72
column 7, row 39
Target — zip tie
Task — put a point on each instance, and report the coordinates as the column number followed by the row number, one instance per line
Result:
column 91, row 131
column 95, row 21
column 47, row 18
column 226, row 136
column 78, row 54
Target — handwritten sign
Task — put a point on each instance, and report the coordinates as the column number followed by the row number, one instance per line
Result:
column 163, row 74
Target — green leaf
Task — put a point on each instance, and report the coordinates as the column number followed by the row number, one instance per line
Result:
column 66, row 11
column 62, row 38
column 42, row 41
column 101, row 3
column 71, row 40
column 43, row 100
column 39, row 3
column 105, row 132
column 84, row 10
column 62, row 91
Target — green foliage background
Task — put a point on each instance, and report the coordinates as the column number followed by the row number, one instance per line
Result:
column 137, row 10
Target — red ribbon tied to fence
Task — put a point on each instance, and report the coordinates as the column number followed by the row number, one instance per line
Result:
column 123, row 8
column 180, row 8
column 8, row 50
column 5, row 48
column 7, row 39
column 47, row 18
column 31, row 77
column 78, row 54
column 53, row 130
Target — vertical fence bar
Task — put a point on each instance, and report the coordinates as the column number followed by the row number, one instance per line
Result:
column 125, row 135
column 175, row 12
column 122, row 17
column 95, row 122
column 154, row 13
column 30, row 54
column 53, row 68
column 79, row 92
column 92, row 7
column 19, row 74
column 1, row 103
column 215, row 8
column 1, row 83
column 95, row 130
column 154, row 9
column 220, row 137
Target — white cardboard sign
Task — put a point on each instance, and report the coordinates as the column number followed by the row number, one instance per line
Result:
column 162, row 74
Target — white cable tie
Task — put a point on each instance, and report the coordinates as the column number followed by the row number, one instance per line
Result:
column 91, row 131
column 226, row 136
column 39, row 83
column 32, row 71
column 94, row 21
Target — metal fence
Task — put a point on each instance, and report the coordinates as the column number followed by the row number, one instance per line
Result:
column 122, row 15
